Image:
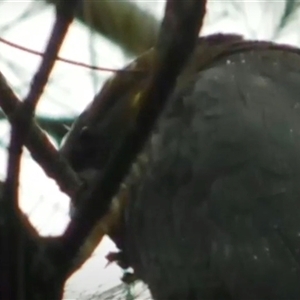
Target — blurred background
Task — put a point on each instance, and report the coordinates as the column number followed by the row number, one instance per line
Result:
column 106, row 34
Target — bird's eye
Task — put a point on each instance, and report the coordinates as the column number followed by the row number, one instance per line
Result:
column 85, row 134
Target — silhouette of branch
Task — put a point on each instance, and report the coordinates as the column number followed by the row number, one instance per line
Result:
column 13, row 237
column 37, row 142
column 177, row 39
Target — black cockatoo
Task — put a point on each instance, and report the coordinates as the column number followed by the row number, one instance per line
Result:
column 213, row 207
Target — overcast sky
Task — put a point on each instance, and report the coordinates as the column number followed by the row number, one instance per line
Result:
column 72, row 88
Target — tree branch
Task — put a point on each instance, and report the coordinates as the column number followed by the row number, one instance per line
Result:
column 122, row 22
column 178, row 37
column 37, row 142
column 13, row 237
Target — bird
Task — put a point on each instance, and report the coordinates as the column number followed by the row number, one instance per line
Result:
column 213, row 199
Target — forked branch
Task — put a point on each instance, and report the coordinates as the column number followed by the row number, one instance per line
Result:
column 12, row 236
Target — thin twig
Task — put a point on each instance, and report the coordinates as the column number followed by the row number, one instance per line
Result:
column 178, row 36
column 68, row 61
column 13, row 240
column 65, row 13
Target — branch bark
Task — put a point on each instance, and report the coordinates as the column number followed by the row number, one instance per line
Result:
column 179, row 33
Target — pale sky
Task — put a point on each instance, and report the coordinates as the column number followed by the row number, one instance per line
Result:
column 73, row 88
